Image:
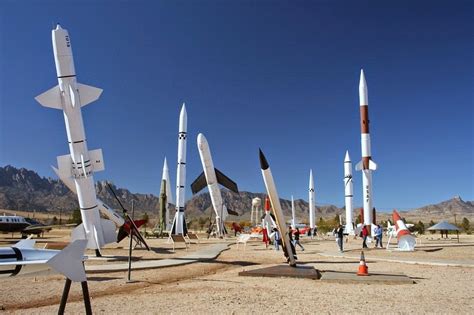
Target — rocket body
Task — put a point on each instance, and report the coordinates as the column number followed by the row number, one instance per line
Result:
column 179, row 225
column 212, row 184
column 311, row 201
column 169, row 196
column 348, row 194
column 366, row 165
column 70, row 96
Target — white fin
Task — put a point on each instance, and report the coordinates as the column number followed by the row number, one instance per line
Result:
column 66, row 179
column 51, row 98
column 28, row 243
column 97, row 160
column 108, row 229
column 69, row 261
column 88, row 94
column 78, row 233
column 358, row 166
column 372, row 165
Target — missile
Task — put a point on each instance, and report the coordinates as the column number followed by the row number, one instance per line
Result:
column 212, row 177
column 311, row 201
column 163, row 205
column 70, row 96
column 366, row 165
column 348, row 193
column 293, row 222
column 268, row 219
column 23, row 259
column 169, row 196
column 276, row 206
column 179, row 222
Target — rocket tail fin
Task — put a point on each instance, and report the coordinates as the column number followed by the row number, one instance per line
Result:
column 358, row 166
column 51, row 98
column 372, row 165
column 88, row 94
column 108, row 228
column 199, row 183
column 226, row 181
column 25, row 244
column 69, row 261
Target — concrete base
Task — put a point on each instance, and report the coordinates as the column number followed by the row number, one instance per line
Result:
column 305, row 272
column 352, row 277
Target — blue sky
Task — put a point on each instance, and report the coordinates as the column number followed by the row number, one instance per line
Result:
column 280, row 75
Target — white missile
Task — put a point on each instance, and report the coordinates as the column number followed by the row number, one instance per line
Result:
column 366, row 165
column 276, row 206
column 179, row 222
column 70, row 96
column 348, row 194
column 213, row 177
column 293, row 221
column 169, row 196
column 311, row 201
column 23, row 259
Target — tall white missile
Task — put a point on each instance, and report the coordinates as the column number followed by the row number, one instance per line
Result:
column 212, row 177
column 70, row 96
column 348, row 194
column 179, row 224
column 169, row 196
column 293, row 221
column 311, row 201
column 366, row 165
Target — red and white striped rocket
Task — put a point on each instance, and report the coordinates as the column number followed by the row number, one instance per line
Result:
column 366, row 165
column 406, row 241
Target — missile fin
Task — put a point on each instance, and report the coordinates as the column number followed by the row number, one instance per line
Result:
column 64, row 165
column 226, row 181
column 78, row 233
column 88, row 94
column 66, row 179
column 358, row 166
column 97, row 160
column 25, row 244
column 51, row 98
column 69, row 261
column 108, row 228
column 199, row 183
column 372, row 165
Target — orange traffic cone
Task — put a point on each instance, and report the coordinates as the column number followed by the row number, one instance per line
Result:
column 363, row 269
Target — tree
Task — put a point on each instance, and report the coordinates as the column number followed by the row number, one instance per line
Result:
column 55, row 220
column 419, row 227
column 465, row 224
column 76, row 217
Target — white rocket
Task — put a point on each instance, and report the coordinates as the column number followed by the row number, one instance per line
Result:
column 293, row 221
column 348, row 193
column 311, row 201
column 70, row 96
column 179, row 223
column 366, row 165
column 169, row 196
column 212, row 177
column 23, row 259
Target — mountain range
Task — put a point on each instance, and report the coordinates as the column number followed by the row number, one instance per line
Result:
column 23, row 189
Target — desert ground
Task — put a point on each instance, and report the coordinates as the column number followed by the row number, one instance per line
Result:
column 214, row 286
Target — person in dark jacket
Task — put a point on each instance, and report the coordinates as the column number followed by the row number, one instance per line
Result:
column 340, row 237
column 296, row 241
column 365, row 233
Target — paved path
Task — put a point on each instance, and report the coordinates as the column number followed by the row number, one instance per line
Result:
column 207, row 253
column 413, row 261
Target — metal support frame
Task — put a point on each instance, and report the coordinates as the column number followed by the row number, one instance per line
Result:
column 85, row 295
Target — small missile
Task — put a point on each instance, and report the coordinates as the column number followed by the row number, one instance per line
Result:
column 169, row 197
column 348, row 193
column 311, row 201
column 276, row 206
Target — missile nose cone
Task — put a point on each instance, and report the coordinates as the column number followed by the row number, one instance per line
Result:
column 347, row 158
column 362, row 81
column 311, row 180
column 201, row 141
column 183, row 119
column 58, row 27
column 263, row 161
column 363, row 94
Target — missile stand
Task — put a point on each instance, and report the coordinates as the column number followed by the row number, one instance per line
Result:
column 85, row 295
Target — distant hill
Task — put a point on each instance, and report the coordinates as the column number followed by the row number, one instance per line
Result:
column 22, row 189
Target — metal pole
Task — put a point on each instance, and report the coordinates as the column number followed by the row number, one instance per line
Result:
column 87, row 299
column 130, row 245
column 62, row 305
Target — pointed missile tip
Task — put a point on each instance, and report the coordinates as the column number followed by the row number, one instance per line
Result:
column 263, row 161
column 347, row 157
column 362, row 78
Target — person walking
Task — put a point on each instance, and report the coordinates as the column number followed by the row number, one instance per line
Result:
column 296, row 241
column 277, row 239
column 364, row 233
column 378, row 236
column 340, row 237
